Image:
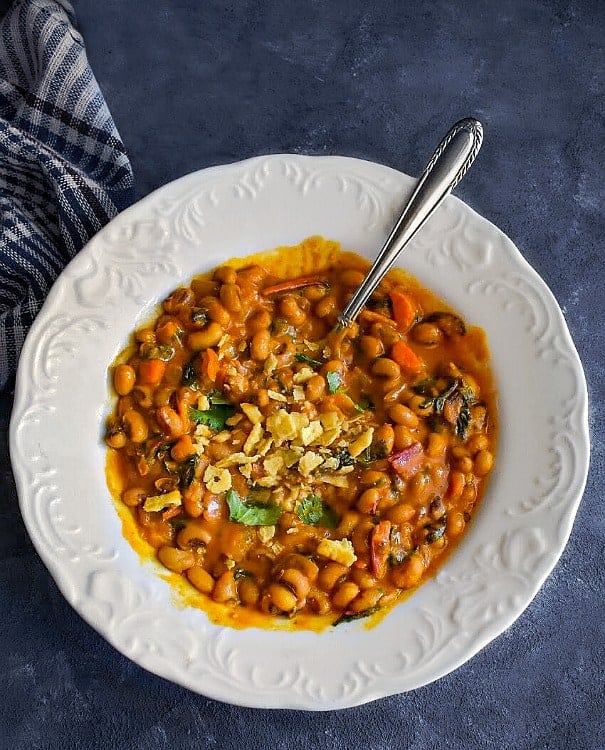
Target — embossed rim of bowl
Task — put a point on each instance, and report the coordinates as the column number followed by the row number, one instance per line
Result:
column 188, row 226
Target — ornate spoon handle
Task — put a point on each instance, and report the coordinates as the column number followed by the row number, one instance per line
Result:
column 448, row 165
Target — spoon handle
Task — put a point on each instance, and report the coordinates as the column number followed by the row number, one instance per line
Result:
column 448, row 165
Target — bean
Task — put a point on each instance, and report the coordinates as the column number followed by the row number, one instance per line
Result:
column 349, row 520
column 169, row 421
column 209, row 336
column 179, row 299
column 177, row 560
column 281, row 597
column 385, row 435
column 217, row 312
column 476, row 443
column 351, row 277
column 225, row 274
column 384, row 367
column 116, row 439
column 248, row 590
column 230, row 297
column 225, row 589
column 373, row 478
column 408, row 574
column 260, row 347
column 360, row 536
column 297, row 581
column 202, row 287
column 437, row 445
column 319, row 601
column 124, row 378
column 315, row 388
column 456, row 485
column 253, row 275
column 161, row 396
column 368, row 500
column 259, row 321
column 201, row 579
column 291, row 311
column 304, row 564
column 455, row 523
column 133, row 496
column 469, row 494
column 315, row 292
column 371, row 346
column 415, row 404
column 344, row 594
column 195, row 533
column 135, row 426
column 365, row 600
column 326, row 306
column 192, row 499
column 403, row 415
column 400, row 513
column 484, row 460
column 145, row 336
column 436, row 508
column 427, row 334
column 464, row 464
column 330, row 574
column 363, row 578
column 182, row 449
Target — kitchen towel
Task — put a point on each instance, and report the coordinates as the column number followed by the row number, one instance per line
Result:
column 64, row 172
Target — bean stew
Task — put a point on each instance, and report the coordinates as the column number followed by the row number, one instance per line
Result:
column 286, row 471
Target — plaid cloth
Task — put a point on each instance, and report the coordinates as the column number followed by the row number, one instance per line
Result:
column 63, row 169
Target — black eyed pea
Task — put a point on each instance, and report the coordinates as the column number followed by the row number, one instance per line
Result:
column 281, row 597
column 177, row 560
column 427, row 334
column 291, row 310
column 201, row 579
column 209, row 336
column 384, row 367
column 133, row 496
column 344, row 594
column 297, row 581
column 230, row 297
column 135, row 426
column 225, row 588
column 260, row 346
column 124, row 378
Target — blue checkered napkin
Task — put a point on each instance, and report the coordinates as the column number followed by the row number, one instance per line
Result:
column 63, row 169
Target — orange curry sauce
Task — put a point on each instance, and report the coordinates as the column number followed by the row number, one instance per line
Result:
column 287, row 475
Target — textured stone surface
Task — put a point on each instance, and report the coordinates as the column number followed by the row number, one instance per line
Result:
column 195, row 84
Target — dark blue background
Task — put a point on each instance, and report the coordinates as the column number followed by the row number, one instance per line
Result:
column 192, row 84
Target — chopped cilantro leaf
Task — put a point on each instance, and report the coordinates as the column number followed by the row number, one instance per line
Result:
column 308, row 360
column 334, row 381
column 252, row 514
column 215, row 417
column 313, row 511
column 365, row 403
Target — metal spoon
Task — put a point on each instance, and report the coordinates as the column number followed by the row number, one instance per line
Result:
column 448, row 165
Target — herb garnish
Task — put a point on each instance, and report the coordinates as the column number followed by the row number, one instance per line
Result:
column 350, row 616
column 215, row 417
column 365, row 403
column 251, row 514
column 300, row 357
column 313, row 511
column 343, row 457
column 187, row 471
column 334, row 381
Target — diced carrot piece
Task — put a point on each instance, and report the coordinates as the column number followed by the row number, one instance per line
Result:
column 210, row 364
column 290, row 284
column 151, row 371
column 405, row 357
column 405, row 310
